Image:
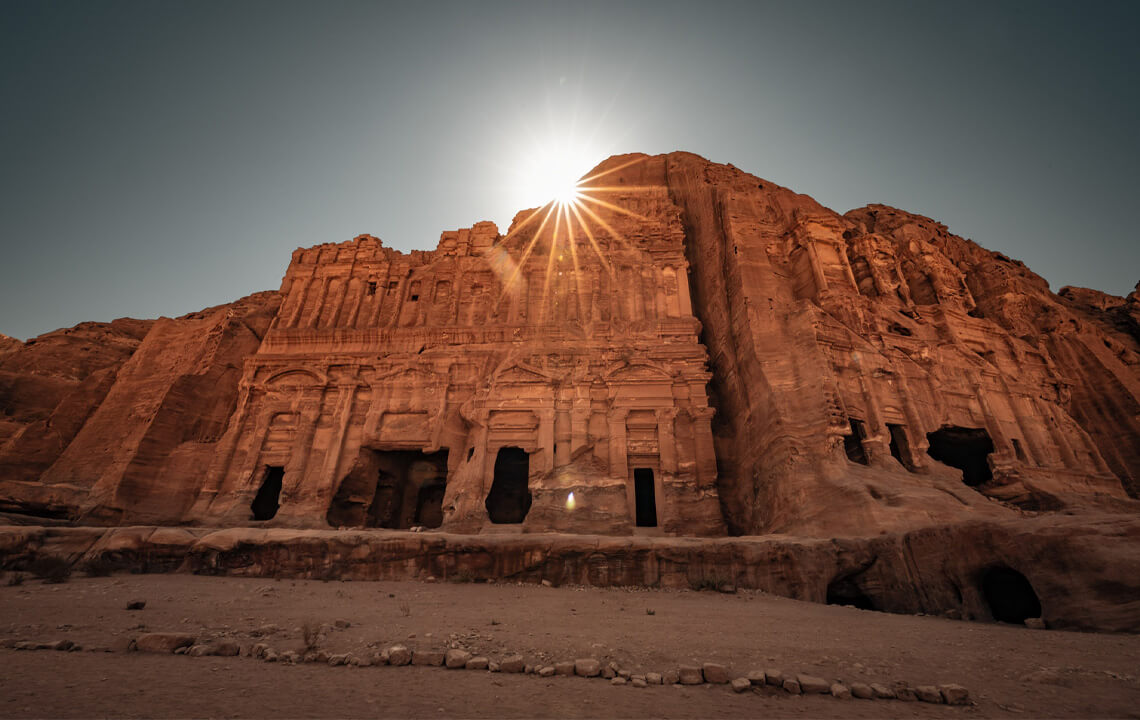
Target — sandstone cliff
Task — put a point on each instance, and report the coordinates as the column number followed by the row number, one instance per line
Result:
column 687, row 350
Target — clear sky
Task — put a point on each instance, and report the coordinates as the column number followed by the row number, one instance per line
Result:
column 160, row 157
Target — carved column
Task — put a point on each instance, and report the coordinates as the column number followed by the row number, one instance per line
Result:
column 619, row 464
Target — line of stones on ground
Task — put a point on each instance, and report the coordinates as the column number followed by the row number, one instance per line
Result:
column 456, row 659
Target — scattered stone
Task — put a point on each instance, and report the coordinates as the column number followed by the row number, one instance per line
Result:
column 323, row 656
column 883, row 692
column 258, row 650
column 653, row 678
column 564, row 668
column 928, row 694
column 338, row 659
column 163, row 643
column 382, row 656
column 123, row 644
column 136, row 604
column 715, row 673
column 61, row 645
column 546, row 671
column 456, row 659
column 741, row 684
column 291, row 657
column 1035, row 623
column 429, row 658
column 342, row 624
column 862, row 691
column 608, row 672
column 670, row 677
column 547, row 583
column 905, row 693
column 493, row 667
column 756, row 677
column 270, row 656
column 638, row 682
column 792, row 687
column 193, row 651
column 840, row 691
column 477, row 663
column 512, row 664
column 954, row 694
column 690, row 675
column 225, row 648
column 774, row 677
column 618, row 681
column 587, row 667
column 812, row 685
column 624, row 674
column 399, row 655
column 359, row 661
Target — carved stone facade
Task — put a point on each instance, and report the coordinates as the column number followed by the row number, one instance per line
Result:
column 575, row 356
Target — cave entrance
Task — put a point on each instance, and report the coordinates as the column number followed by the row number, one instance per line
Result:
column 396, row 489
column 846, row 591
column 853, row 442
column 645, row 497
column 1009, row 595
column 967, row 449
column 900, row 446
column 267, row 500
column 508, row 502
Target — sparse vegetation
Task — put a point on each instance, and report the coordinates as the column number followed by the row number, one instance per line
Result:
column 405, row 608
column 51, row 569
column 312, row 636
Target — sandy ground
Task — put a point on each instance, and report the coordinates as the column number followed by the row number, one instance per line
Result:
column 1010, row 671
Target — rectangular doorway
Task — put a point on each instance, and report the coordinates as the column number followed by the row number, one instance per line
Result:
column 645, row 497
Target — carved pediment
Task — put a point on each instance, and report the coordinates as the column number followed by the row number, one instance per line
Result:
column 522, row 374
column 293, row 377
column 638, row 372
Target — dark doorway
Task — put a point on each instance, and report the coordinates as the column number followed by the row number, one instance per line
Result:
column 395, row 489
column 1009, row 595
column 967, row 449
column 846, row 591
column 267, row 500
column 509, row 499
column 853, row 442
column 900, row 446
column 645, row 497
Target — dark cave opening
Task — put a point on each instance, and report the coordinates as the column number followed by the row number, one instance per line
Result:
column 845, row 591
column 967, row 449
column 853, row 442
column 1009, row 595
column 396, row 489
column 508, row 502
column 645, row 497
column 267, row 500
column 900, row 445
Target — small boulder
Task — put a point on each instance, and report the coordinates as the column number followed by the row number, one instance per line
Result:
column 670, row 677
column 546, row 671
column 564, row 668
column 774, row 677
column 928, row 694
column 653, row 678
column 756, row 677
column 954, row 694
column 225, row 648
column 1035, row 623
column 792, row 687
column 163, row 642
column 477, row 663
column 609, row 673
column 905, row 693
column 690, row 675
column 587, row 667
column 136, row 604
column 862, row 691
column 883, row 692
column 338, row 659
column 493, row 667
column 840, row 691
column 618, row 681
column 715, row 673
column 399, row 655
column 741, row 684
column 512, row 664
column 812, row 685
column 456, row 658
column 638, row 682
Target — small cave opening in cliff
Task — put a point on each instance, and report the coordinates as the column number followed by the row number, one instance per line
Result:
column 900, row 446
column 395, row 489
column 845, row 590
column 645, row 497
column 967, row 449
column 267, row 500
column 1009, row 595
column 509, row 500
column 853, row 442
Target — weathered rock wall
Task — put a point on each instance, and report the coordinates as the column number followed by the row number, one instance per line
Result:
column 1082, row 571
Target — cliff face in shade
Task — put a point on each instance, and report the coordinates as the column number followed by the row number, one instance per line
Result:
column 688, row 350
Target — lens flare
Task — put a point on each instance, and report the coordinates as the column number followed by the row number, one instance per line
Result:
column 570, row 502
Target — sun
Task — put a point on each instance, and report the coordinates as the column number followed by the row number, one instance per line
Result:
column 552, row 174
